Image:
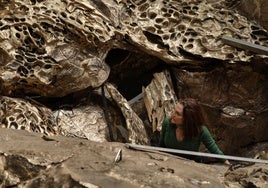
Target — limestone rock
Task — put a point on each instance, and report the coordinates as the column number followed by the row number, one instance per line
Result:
column 159, row 99
column 60, row 47
column 85, row 121
column 48, row 48
column 21, row 114
column 54, row 48
column 170, row 30
column 135, row 126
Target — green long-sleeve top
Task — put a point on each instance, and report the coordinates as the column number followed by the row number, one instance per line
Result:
column 168, row 140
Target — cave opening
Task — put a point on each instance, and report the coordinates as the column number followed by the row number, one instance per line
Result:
column 131, row 71
column 116, row 56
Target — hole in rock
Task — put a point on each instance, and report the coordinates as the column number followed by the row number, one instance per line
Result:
column 116, row 56
column 131, row 71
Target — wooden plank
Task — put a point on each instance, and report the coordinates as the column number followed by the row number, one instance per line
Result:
column 245, row 45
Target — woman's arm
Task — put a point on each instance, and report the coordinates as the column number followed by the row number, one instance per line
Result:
column 210, row 144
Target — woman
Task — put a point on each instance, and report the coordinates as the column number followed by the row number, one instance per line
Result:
column 186, row 129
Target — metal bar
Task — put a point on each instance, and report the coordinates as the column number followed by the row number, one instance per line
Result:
column 245, row 45
column 139, row 96
column 202, row 154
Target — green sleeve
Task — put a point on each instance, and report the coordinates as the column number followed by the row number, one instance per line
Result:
column 209, row 142
column 162, row 134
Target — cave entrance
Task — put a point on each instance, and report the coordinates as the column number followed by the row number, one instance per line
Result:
column 130, row 71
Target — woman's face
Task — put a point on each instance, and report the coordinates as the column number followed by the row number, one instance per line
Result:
column 177, row 114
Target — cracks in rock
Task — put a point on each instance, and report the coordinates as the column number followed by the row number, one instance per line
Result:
column 62, row 161
column 20, row 169
column 198, row 63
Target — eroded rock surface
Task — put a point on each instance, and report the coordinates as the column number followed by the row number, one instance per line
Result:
column 251, row 176
column 84, row 122
column 48, row 48
column 58, row 48
column 159, row 99
column 53, row 48
column 22, row 114
column 135, row 126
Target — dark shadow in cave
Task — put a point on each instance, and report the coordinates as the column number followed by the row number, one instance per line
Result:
column 130, row 71
column 116, row 56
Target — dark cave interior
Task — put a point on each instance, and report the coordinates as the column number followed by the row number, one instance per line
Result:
column 130, row 71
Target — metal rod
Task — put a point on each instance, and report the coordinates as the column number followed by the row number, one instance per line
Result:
column 195, row 153
column 138, row 97
column 245, row 45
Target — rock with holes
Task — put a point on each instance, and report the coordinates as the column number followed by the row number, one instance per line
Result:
column 53, row 48
column 25, row 115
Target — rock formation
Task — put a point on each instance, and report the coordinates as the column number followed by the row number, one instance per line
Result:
column 30, row 160
column 55, row 56
column 45, row 44
column 24, row 115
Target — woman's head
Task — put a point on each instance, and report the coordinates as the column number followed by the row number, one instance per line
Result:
column 189, row 113
column 177, row 114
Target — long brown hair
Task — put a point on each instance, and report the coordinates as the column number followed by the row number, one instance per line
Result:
column 193, row 117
